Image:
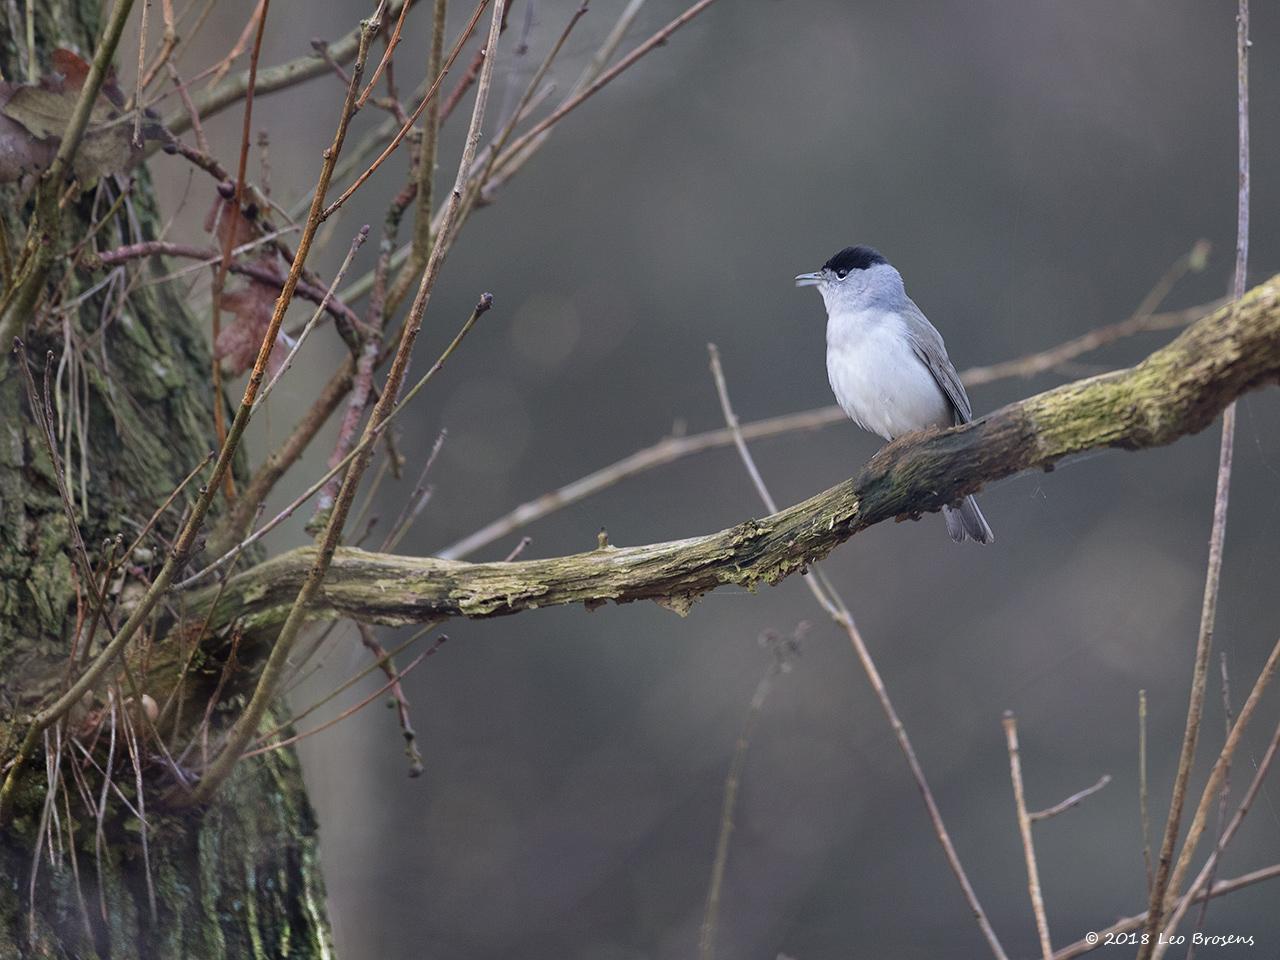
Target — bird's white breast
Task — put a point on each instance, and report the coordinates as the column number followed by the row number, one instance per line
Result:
column 877, row 378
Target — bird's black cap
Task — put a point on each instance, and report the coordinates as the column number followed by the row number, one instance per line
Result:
column 854, row 258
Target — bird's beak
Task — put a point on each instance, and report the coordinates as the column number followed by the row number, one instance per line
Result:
column 808, row 279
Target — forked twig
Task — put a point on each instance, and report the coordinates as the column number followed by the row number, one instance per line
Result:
column 1010, row 723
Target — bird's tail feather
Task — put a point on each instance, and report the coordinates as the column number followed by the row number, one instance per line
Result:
column 966, row 522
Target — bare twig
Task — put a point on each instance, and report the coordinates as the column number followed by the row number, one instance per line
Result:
column 1213, row 573
column 361, row 235
column 353, row 680
column 290, row 741
column 413, row 117
column 835, row 607
column 392, row 42
column 1010, row 724
column 427, row 158
column 1202, row 879
column 1100, row 938
column 1072, row 801
column 517, row 549
column 142, row 72
column 657, row 40
column 779, row 663
column 256, row 270
column 242, row 731
column 1143, row 810
column 240, row 517
column 1224, row 793
column 388, row 666
column 237, row 212
column 416, row 500
column 1217, row 776
column 366, row 443
column 280, row 77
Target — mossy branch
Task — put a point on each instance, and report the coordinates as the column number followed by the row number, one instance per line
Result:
column 1176, row 391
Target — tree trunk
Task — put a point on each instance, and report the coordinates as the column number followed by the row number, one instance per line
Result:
column 240, row 878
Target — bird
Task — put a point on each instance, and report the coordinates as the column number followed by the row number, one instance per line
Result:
column 887, row 363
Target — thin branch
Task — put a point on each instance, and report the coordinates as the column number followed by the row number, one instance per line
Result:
column 392, row 42
column 413, row 117
column 1217, row 536
column 1224, row 793
column 394, row 682
column 236, row 205
column 388, row 666
column 253, row 269
column 366, row 443
column 657, row 40
column 243, row 730
column 217, row 98
column 353, row 680
column 1143, row 808
column 1010, row 724
column 427, row 159
column 1201, row 880
column 1217, row 776
column 1072, row 801
column 357, row 241
column 1144, row 319
column 1099, row 938
column 240, row 517
column 416, row 500
column 825, row 593
column 778, row 664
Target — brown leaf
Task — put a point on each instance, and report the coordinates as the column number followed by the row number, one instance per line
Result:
column 21, row 153
column 224, row 217
column 44, row 109
column 239, row 341
column 73, row 68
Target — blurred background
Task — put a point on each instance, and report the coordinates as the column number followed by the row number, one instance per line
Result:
column 1032, row 169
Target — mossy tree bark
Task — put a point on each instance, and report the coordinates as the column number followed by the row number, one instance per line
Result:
column 241, row 878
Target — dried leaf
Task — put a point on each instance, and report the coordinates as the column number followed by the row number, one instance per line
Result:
column 21, row 153
column 73, row 68
column 43, row 111
column 238, row 343
column 224, row 218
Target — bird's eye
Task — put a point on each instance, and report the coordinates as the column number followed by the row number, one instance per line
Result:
column 841, row 274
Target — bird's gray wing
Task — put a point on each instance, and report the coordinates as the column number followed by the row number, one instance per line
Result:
column 927, row 343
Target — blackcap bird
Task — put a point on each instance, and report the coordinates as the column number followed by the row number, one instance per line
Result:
column 887, row 364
